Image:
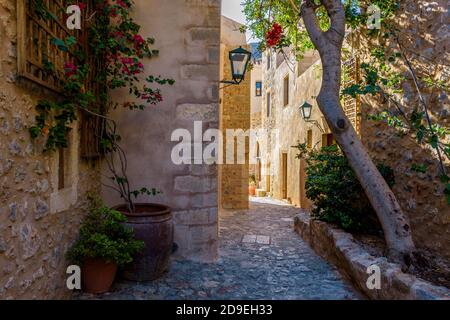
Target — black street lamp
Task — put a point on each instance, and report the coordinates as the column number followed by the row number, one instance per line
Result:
column 239, row 59
column 306, row 111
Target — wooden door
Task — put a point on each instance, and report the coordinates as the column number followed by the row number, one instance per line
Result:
column 284, row 176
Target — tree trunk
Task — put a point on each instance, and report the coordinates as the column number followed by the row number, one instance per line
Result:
column 329, row 44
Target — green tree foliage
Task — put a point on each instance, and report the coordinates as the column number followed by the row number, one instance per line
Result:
column 337, row 194
column 380, row 77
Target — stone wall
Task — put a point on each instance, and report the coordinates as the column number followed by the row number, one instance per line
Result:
column 38, row 220
column 256, row 101
column 235, row 114
column 426, row 38
column 353, row 261
column 187, row 34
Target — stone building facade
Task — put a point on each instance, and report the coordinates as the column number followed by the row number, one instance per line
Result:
column 234, row 115
column 256, row 96
column 42, row 195
column 187, row 34
column 286, row 86
column 421, row 194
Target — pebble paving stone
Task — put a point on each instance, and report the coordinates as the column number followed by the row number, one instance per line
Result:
column 261, row 257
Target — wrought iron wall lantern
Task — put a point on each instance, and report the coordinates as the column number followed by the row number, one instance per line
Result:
column 306, row 112
column 239, row 59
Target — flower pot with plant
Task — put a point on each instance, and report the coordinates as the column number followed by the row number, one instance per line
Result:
column 252, row 185
column 104, row 244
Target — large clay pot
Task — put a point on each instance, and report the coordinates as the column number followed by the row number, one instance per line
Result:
column 152, row 223
column 97, row 275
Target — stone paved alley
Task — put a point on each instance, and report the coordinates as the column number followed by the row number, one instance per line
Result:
column 261, row 257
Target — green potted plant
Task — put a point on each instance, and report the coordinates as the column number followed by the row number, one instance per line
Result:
column 104, row 244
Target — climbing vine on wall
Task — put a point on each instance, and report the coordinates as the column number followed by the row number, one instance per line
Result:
column 115, row 41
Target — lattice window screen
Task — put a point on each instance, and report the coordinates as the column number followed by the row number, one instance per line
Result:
column 40, row 60
column 351, row 105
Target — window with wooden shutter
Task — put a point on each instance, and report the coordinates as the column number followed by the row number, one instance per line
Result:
column 286, row 91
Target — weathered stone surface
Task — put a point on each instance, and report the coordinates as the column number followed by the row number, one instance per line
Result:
column 14, row 148
column 235, row 115
column 204, row 35
column 41, row 209
column 195, row 184
column 198, row 112
column 353, row 260
column 3, row 246
column 198, row 72
column 13, row 212
column 27, row 178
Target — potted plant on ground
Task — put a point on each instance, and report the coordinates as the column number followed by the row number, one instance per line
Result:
column 252, row 186
column 104, row 244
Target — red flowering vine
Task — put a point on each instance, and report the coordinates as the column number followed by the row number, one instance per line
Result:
column 115, row 41
column 274, row 35
column 70, row 68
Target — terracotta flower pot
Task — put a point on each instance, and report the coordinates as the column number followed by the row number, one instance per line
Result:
column 98, row 275
column 152, row 224
column 252, row 190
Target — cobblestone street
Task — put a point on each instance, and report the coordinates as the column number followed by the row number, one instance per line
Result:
column 261, row 257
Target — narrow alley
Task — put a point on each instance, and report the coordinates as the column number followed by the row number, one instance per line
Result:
column 261, row 257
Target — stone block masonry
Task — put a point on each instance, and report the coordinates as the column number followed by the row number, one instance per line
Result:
column 235, row 114
column 187, row 34
column 341, row 249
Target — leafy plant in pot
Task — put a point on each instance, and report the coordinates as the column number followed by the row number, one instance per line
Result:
column 104, row 244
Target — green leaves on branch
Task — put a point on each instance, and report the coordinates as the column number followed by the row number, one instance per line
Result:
column 144, row 191
column 103, row 235
column 336, row 192
column 261, row 14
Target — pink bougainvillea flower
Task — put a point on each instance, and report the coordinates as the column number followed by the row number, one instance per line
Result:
column 158, row 97
column 122, row 3
column 113, row 13
column 138, row 40
column 70, row 68
column 82, row 6
column 127, row 60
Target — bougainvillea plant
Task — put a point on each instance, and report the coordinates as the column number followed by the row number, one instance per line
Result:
column 113, row 60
